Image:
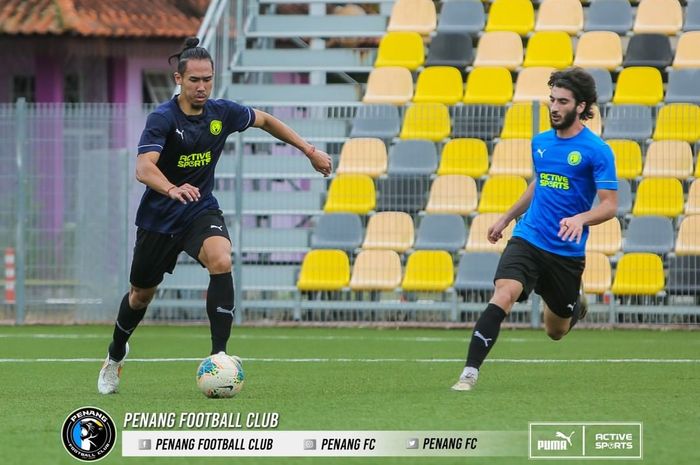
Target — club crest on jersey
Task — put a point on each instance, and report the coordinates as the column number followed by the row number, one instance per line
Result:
column 215, row 127
column 574, row 158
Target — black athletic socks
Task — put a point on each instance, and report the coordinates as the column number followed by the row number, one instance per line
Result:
column 127, row 321
column 485, row 335
column 220, row 309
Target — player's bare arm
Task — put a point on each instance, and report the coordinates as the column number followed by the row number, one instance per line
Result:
column 495, row 232
column 319, row 159
column 571, row 228
column 148, row 173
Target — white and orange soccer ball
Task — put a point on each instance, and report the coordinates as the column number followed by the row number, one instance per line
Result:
column 220, row 376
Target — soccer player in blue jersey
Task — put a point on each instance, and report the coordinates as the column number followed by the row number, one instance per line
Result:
column 547, row 251
column 178, row 151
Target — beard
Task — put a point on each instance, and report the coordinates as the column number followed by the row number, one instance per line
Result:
column 566, row 121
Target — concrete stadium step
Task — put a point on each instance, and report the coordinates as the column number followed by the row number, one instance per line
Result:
column 261, row 94
column 349, row 60
column 311, row 129
column 284, row 26
column 272, row 240
column 265, row 166
column 272, row 203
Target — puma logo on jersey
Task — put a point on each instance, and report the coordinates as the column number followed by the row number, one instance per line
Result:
column 180, row 133
column 485, row 339
column 541, row 152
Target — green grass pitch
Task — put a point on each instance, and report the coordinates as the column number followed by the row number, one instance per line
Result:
column 402, row 392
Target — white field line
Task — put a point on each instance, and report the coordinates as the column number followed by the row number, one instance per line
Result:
column 367, row 360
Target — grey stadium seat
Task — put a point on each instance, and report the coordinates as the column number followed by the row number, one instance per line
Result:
column 380, row 121
column 412, row 157
column 684, row 275
column 628, row 122
column 476, row 270
column 402, row 193
column 480, row 121
column 337, row 231
column 603, row 84
column 624, row 197
column 441, row 232
column 653, row 234
column 683, row 85
column 692, row 16
column 462, row 16
column 609, row 15
column 451, row 49
column 649, row 50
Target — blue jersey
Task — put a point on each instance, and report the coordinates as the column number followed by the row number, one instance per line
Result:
column 189, row 148
column 568, row 172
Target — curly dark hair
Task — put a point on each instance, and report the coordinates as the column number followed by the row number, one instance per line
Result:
column 581, row 84
column 190, row 51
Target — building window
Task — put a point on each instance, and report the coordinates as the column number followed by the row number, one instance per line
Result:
column 71, row 88
column 23, row 86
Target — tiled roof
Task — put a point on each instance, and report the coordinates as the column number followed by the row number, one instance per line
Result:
column 102, row 18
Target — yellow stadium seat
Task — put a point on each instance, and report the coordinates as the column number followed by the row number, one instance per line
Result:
column 376, row 270
column 688, row 241
column 693, row 206
column 531, row 84
column 489, row 85
column 639, row 273
column 595, row 124
column 428, row 270
column 500, row 193
column 426, row 121
column 518, row 121
column 549, row 48
column 678, row 121
column 688, row 51
column 439, row 84
column 599, row 49
column 511, row 15
column 605, row 237
column 389, row 230
column 670, row 159
column 469, row 157
column 413, row 16
column 351, row 193
column 391, row 84
column 512, row 156
column 403, row 49
column 499, row 48
column 628, row 158
column 641, row 85
column 659, row 196
column 597, row 276
column 478, row 241
column 363, row 156
column 658, row 16
column 560, row 15
column 324, row 270
column 452, row 193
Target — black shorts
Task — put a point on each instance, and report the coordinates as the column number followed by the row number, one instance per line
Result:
column 557, row 279
column 156, row 254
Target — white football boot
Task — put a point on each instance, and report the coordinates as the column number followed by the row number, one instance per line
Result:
column 467, row 381
column 110, row 374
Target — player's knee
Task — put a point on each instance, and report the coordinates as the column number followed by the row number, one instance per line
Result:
column 555, row 334
column 140, row 298
column 219, row 264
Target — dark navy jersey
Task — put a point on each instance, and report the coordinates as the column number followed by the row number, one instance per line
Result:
column 189, row 148
column 568, row 172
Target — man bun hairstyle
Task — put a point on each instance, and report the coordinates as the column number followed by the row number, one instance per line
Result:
column 190, row 51
column 581, row 84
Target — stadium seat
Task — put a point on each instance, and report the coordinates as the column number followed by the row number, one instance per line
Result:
column 670, row 159
column 531, row 84
column 412, row 157
column 688, row 241
column 403, row 49
column 609, row 15
column 678, row 121
column 603, row 84
column 693, row 205
column 684, row 275
column 549, row 48
column 363, row 155
column 324, row 270
column 659, row 196
column 688, row 51
column 595, row 123
column 452, row 193
column 500, row 193
column 451, row 49
column 649, row 50
column 464, row 156
column 624, row 197
column 683, row 85
column 605, row 237
column 391, row 84
column 337, row 231
column 511, row 15
column 628, row 122
column 350, row 193
column 499, row 48
column 476, row 271
column 426, row 121
column 640, row 85
column 599, row 49
column 628, row 158
column 653, row 234
column 376, row 270
column 518, row 121
column 441, row 232
column 658, row 16
column 489, row 85
column 463, row 16
column 692, row 17
column 512, row 156
column 428, row 270
column 380, row 121
column 402, row 193
column 480, row 121
column 439, row 84
column 597, row 275
column 389, row 230
column 413, row 16
column 639, row 273
column 477, row 240
column 560, row 15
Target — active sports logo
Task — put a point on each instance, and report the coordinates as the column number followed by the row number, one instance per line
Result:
column 585, row 440
column 88, row 434
column 215, row 127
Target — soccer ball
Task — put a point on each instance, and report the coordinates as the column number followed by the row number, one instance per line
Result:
column 220, row 376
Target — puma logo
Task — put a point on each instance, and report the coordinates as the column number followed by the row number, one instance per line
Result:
column 571, row 306
column 225, row 310
column 213, row 226
column 541, row 152
column 485, row 339
column 561, row 435
column 180, row 133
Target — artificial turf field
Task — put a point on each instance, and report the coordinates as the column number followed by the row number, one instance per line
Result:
column 359, row 379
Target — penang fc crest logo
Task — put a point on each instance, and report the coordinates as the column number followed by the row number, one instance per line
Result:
column 215, row 127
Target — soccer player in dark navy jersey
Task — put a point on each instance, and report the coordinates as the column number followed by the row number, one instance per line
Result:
column 177, row 154
column 547, row 251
